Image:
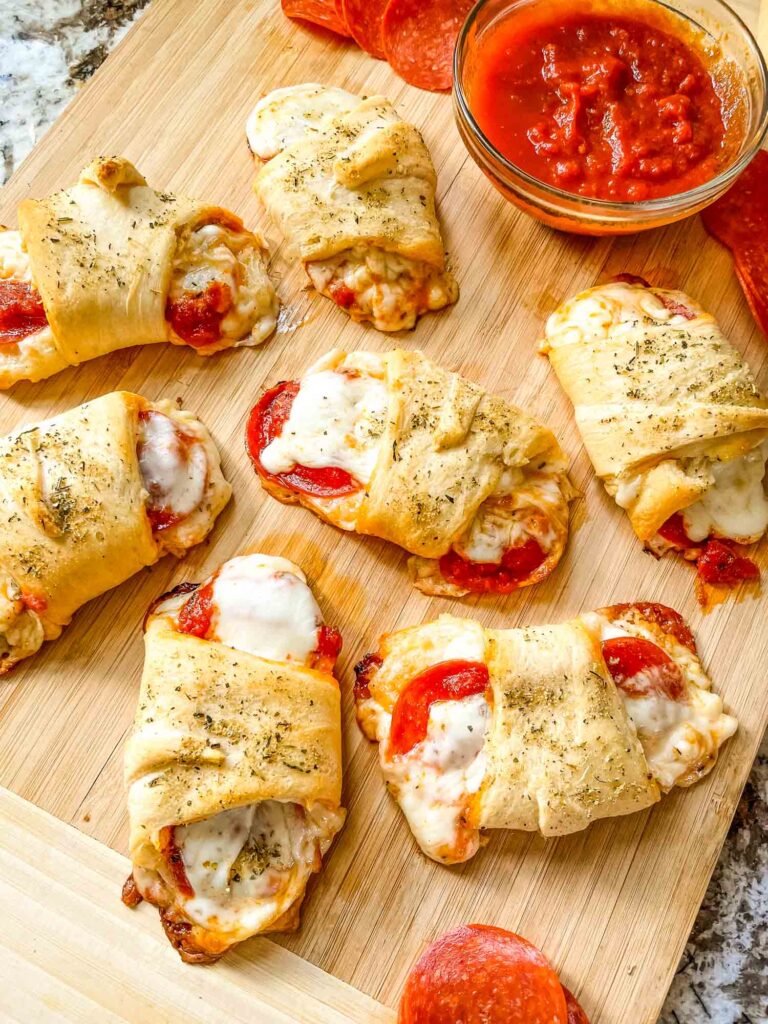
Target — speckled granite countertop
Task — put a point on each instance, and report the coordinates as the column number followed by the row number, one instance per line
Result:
column 47, row 49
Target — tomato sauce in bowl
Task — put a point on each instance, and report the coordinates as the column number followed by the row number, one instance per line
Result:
column 605, row 106
column 609, row 116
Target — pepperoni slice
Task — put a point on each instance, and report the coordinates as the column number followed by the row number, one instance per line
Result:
column 675, row 533
column 448, row 680
column 666, row 618
column 642, row 669
column 478, row 974
column 21, row 311
column 419, row 37
column 196, row 317
column 324, row 656
column 517, row 565
column 364, row 20
column 365, row 670
column 196, row 613
column 631, row 279
column 575, row 1013
column 266, row 422
column 319, row 12
column 740, row 221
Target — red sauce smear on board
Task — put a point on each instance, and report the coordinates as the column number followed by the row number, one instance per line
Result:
column 605, row 105
column 716, row 561
column 448, row 680
column 21, row 311
column 516, row 565
column 266, row 422
column 196, row 317
column 479, row 974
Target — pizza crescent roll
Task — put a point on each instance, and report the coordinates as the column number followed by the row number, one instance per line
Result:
column 234, row 765
column 111, row 263
column 352, row 188
column 396, row 447
column 543, row 729
column 89, row 498
column 671, row 418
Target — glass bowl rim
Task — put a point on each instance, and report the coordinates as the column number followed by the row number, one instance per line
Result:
column 661, row 204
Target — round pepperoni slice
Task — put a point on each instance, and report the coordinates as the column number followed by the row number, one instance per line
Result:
column 575, row 1013
column 364, row 20
column 318, row 12
column 478, row 974
column 448, row 680
column 642, row 669
column 419, row 37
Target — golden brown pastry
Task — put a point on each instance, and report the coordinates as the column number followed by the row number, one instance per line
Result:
column 352, row 188
column 544, row 729
column 234, row 765
column 90, row 497
column 396, row 447
column 671, row 418
column 111, row 263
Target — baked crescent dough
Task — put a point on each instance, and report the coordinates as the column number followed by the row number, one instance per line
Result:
column 543, row 728
column 76, row 512
column 116, row 263
column 352, row 187
column 428, row 460
column 662, row 401
column 223, row 732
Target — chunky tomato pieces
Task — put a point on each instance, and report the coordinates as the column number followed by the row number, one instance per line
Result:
column 448, row 680
column 324, row 656
column 196, row 317
column 717, row 562
column 604, row 106
column 21, row 311
column 266, row 422
column 515, row 567
column 720, row 565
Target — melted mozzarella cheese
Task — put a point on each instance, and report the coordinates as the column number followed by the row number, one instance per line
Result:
column 613, row 308
column 14, row 260
column 240, row 862
column 213, row 253
column 736, row 505
column 389, row 289
column 680, row 738
column 263, row 605
column 336, row 420
column 512, row 516
column 174, row 469
column 435, row 780
column 288, row 114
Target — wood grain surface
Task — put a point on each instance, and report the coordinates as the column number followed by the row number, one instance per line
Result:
column 612, row 907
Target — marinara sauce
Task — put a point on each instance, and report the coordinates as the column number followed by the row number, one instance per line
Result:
column 603, row 104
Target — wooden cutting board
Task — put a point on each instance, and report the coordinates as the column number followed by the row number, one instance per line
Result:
column 613, row 906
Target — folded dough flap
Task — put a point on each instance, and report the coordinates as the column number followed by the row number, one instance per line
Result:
column 277, row 725
column 101, row 255
column 72, row 506
column 366, row 178
column 561, row 749
column 443, row 452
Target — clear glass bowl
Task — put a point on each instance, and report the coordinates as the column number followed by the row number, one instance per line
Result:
column 730, row 45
